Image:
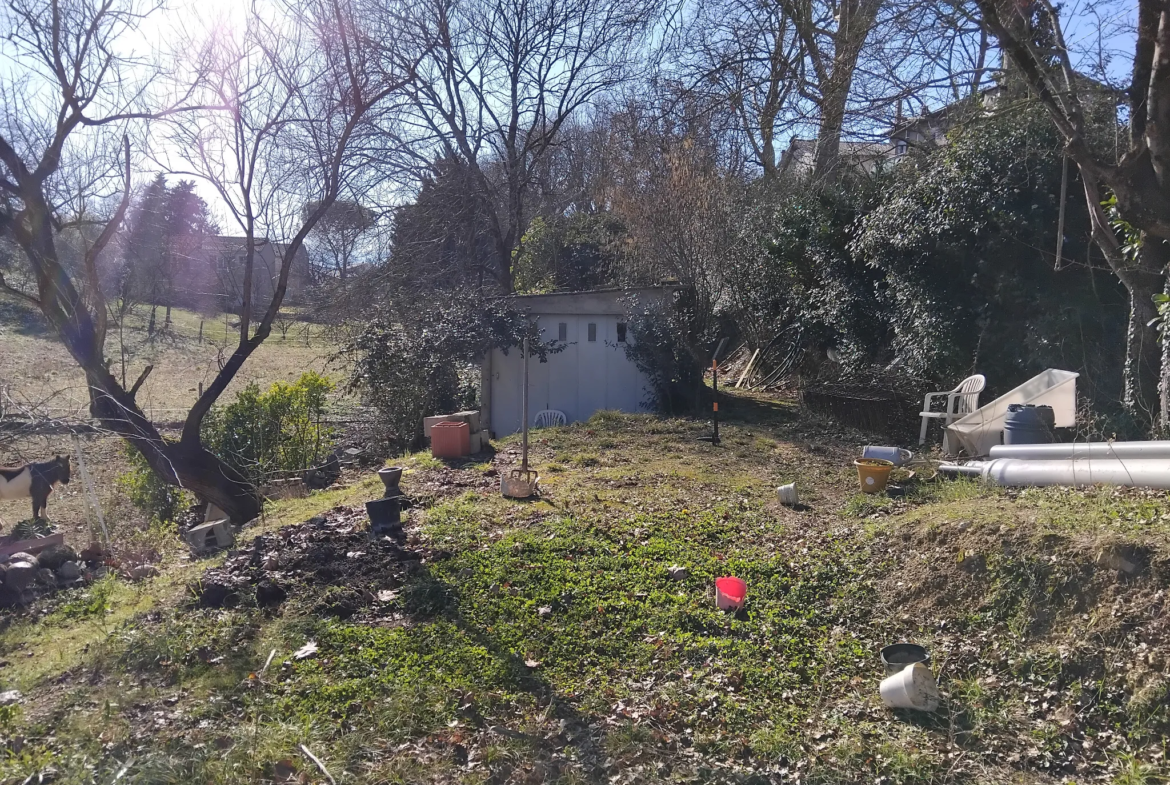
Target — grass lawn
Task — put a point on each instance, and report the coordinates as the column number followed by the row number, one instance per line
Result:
column 545, row 641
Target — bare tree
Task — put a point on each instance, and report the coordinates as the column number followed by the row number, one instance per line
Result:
column 827, row 68
column 679, row 203
column 1032, row 39
column 299, row 90
column 338, row 237
column 746, row 56
column 500, row 82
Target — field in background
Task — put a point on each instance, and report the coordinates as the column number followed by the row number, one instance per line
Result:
column 37, row 373
column 37, row 370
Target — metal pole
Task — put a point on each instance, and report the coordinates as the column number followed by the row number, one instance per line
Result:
column 1060, row 219
column 91, row 499
column 524, row 404
column 715, row 390
column 715, row 403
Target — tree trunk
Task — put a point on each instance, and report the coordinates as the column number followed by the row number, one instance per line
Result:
column 855, row 21
column 504, row 255
column 186, row 465
column 212, row 480
column 1143, row 356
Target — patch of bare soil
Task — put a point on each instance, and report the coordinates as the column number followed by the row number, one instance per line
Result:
column 428, row 486
column 332, row 562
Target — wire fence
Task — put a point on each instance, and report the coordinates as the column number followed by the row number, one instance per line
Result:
column 48, row 415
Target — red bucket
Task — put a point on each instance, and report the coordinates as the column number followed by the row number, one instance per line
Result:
column 730, row 593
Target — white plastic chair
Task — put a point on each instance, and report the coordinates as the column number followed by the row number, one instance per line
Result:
column 962, row 400
column 549, row 418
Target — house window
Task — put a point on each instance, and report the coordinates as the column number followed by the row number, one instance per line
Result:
column 592, row 331
column 900, row 147
column 563, row 331
column 621, row 332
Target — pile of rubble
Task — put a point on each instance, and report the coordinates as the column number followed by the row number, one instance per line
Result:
column 25, row 576
column 334, row 551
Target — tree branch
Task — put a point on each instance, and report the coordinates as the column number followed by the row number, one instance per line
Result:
column 93, row 289
column 9, row 289
column 141, row 379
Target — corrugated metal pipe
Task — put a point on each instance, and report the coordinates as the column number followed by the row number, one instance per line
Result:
column 1143, row 472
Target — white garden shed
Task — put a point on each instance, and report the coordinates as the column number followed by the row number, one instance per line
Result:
column 590, row 374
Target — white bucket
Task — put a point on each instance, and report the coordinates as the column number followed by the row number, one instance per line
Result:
column 913, row 687
column 787, row 494
column 895, row 455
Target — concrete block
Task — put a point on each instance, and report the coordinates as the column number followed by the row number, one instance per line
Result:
column 479, row 441
column 429, row 422
column 213, row 534
column 214, row 513
column 469, row 417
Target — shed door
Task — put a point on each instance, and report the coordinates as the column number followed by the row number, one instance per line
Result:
column 506, row 378
column 563, row 378
column 592, row 363
column 538, row 373
column 624, row 389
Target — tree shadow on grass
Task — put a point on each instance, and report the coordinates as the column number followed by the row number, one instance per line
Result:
column 744, row 410
column 23, row 319
column 427, row 597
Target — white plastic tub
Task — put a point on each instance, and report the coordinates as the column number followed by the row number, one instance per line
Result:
column 976, row 433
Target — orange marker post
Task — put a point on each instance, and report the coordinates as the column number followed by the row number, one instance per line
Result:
column 715, row 392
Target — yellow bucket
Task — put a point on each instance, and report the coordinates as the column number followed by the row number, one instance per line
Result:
column 873, row 473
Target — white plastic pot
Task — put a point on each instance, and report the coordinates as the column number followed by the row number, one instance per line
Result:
column 787, row 494
column 895, row 455
column 913, row 687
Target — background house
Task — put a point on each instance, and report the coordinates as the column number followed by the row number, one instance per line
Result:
column 225, row 257
column 591, row 372
column 799, row 157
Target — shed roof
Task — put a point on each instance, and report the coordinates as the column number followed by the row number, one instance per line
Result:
column 611, row 301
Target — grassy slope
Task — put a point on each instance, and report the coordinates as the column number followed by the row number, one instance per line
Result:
column 1048, row 655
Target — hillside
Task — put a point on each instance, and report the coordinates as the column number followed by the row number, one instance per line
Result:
column 545, row 641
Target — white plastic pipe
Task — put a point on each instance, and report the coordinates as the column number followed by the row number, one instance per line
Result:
column 1083, row 450
column 1079, row 472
